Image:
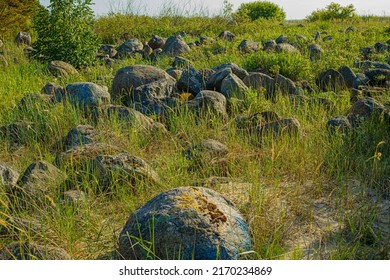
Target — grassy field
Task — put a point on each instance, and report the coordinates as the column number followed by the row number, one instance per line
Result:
column 316, row 195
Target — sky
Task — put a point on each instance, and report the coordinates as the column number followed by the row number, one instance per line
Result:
column 295, row 9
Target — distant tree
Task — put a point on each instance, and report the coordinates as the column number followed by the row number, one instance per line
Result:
column 65, row 32
column 261, row 9
column 16, row 15
column 333, row 11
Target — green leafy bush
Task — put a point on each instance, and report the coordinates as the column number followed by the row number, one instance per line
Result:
column 333, row 11
column 65, row 32
column 261, row 9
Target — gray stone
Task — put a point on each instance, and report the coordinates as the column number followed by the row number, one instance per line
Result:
column 315, row 51
column 73, row 197
column 175, row 73
column 327, row 38
column 23, row 38
column 260, row 81
column 205, row 73
column 140, row 82
column 290, row 126
column 366, row 108
column 187, row 223
column 269, row 45
column 122, row 168
column 175, row 46
column 348, row 75
column 190, row 81
column 330, row 80
column 39, row 179
column 286, row 47
column 205, row 40
column 281, row 39
column 227, row 36
column 208, row 101
column 130, row 47
column 156, row 42
column 181, row 63
column 79, row 135
column 233, row 86
column 285, row 85
column 214, row 82
column 339, row 123
column 381, row 47
column 236, row 70
column 207, row 150
column 248, row 46
column 8, row 176
column 61, row 68
column 32, row 251
column 52, row 89
column 85, row 95
column 379, row 77
column 360, row 80
column 109, row 50
column 18, row 133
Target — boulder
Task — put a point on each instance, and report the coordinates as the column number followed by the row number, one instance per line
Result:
column 286, row 47
column 61, row 68
column 285, row 85
column 187, row 223
column 8, row 176
column 156, row 42
column 330, row 80
column 32, row 251
column 232, row 86
column 315, row 51
column 379, row 77
column 130, row 47
column 53, row 89
column 23, row 38
column 123, row 168
column 109, row 50
column 18, row 133
column 338, row 123
column 348, row 75
column 79, row 135
column 236, row 70
column 282, row 39
column 381, row 47
column 140, row 82
column 206, row 150
column 175, row 46
column 190, row 81
column 175, row 73
column 248, row 46
column 73, row 197
column 207, row 101
column 227, row 36
column 85, row 95
column 366, row 108
column 269, row 45
column 260, row 81
column 40, row 179
column 214, row 82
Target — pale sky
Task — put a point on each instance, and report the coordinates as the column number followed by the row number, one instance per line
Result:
column 295, row 9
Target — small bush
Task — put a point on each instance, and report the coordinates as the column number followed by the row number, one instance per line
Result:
column 333, row 11
column 65, row 32
column 261, row 9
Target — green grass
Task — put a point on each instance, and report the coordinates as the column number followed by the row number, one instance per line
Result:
column 289, row 176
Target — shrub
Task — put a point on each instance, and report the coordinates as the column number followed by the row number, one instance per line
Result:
column 261, row 9
column 65, row 32
column 333, row 11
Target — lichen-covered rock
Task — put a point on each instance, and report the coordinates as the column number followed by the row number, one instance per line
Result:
column 8, row 176
column 156, row 42
column 248, row 46
column 339, row 123
column 269, row 45
column 175, row 46
column 190, row 81
column 208, row 102
column 366, row 108
column 175, row 73
column 122, row 168
column 73, row 197
column 85, row 95
column 348, row 75
column 130, row 47
column 214, row 81
column 61, row 68
column 260, row 82
column 282, row 39
column 330, row 79
column 187, row 223
column 207, row 149
column 227, row 36
column 315, row 51
column 52, row 89
column 233, row 86
column 39, row 179
column 32, row 251
column 79, row 135
column 285, row 85
column 286, row 47
column 236, row 70
column 140, row 82
column 23, row 38
column 18, row 133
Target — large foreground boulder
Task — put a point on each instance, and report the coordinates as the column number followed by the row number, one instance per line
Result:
column 185, row 223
